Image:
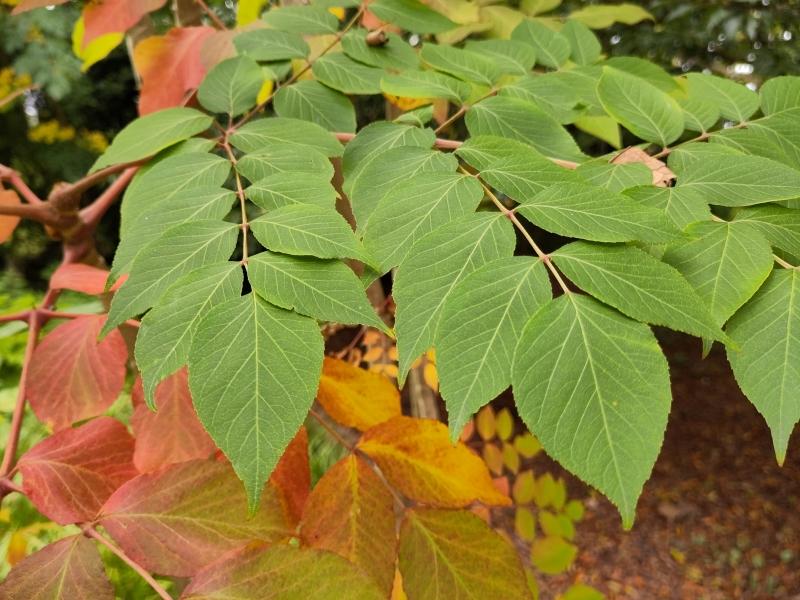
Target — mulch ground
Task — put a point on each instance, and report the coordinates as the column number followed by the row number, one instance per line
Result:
column 718, row 519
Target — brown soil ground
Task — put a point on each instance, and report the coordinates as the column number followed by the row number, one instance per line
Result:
column 718, row 519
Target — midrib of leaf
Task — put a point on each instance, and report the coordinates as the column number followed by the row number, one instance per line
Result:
column 312, row 234
column 645, row 114
column 437, row 552
column 62, row 574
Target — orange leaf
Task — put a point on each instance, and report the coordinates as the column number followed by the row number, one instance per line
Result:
column 356, row 397
column 114, row 16
column 82, row 278
column 397, row 588
column 72, row 376
column 27, row 5
column 174, row 433
column 416, row 456
column 8, row 224
column 69, row 475
column 493, row 458
column 351, row 512
column 170, row 66
column 292, row 475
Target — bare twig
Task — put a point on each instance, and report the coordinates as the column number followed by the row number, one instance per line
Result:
column 92, row 214
column 11, row 176
column 211, row 15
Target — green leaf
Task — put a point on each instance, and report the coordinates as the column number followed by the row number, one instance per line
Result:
column 585, row 47
column 396, row 53
column 781, row 226
column 308, row 230
column 637, row 285
column 780, row 133
column 766, row 363
column 460, row 63
column 433, row 267
column 390, row 168
column 341, row 73
column 156, row 187
column 601, row 16
column 640, row 107
column 513, row 168
column 305, row 19
column 736, row 102
column 779, row 94
column 725, row 262
column 549, row 92
column 286, row 159
column 509, row 56
column 259, row 134
column 417, row 117
column 644, row 69
column 195, row 204
column 523, row 121
column 324, row 289
column 425, row 85
column 583, row 81
column 152, row 133
column 232, row 86
column 166, row 332
column 480, row 325
column 683, row 206
column 411, row 15
column 414, row 208
column 733, row 180
column 283, row 189
column 593, row 213
column 615, row 177
column 253, row 373
column 699, row 114
column 602, row 127
column 271, row 45
column 312, row 101
column 178, row 251
column 454, row 554
column 552, row 554
column 685, row 154
column 552, row 49
column 593, row 387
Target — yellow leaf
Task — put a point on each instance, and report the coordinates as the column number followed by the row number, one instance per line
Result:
column 550, row 492
column 248, row 11
column 265, row 92
column 417, row 458
column 556, row 525
column 552, row 555
column 17, row 547
column 504, row 424
column 406, row 104
column 493, row 458
column 524, row 488
column 397, row 589
column 337, row 11
column 525, row 524
column 574, row 510
column 356, row 397
column 510, row 458
column 580, row 591
column 527, row 445
column 97, row 49
column 484, row 423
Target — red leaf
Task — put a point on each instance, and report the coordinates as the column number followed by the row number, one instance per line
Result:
column 170, row 66
column 69, row 568
column 8, row 223
column 114, row 16
column 72, row 473
column 174, row 433
column 82, row 278
column 183, row 517
column 292, row 475
column 73, row 377
column 27, row 5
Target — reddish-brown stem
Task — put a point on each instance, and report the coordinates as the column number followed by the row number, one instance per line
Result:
column 92, row 214
column 80, row 186
column 35, row 212
column 211, row 15
column 7, row 486
column 335, row 434
column 12, row 177
column 91, row 532
column 240, row 193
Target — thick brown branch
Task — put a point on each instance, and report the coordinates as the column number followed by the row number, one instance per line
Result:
column 92, row 214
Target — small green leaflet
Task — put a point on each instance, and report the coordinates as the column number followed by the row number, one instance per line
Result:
column 736, row 180
column 725, row 262
column 271, row 45
column 593, row 387
column 308, row 230
column 637, row 285
column 166, row 332
column 513, row 168
column 521, row 120
column 549, row 92
column 585, row 47
column 481, row 323
column 601, row 16
column 411, row 15
column 640, row 107
column 776, row 137
column 305, row 19
column 425, row 84
column 178, row 251
column 433, row 267
column 615, row 177
column 341, row 73
column 699, row 114
column 396, row 53
column 682, row 205
column 685, row 154
column 232, row 86
column 736, row 102
column 781, row 226
column 282, row 189
column 261, row 133
column 195, row 204
column 644, row 69
column 593, row 213
column 509, row 56
column 284, row 158
column 767, row 363
column 413, row 208
column 324, row 289
column 253, row 373
column 312, row 101
column 779, row 94
column 552, row 49
column 460, row 63
column 152, row 133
